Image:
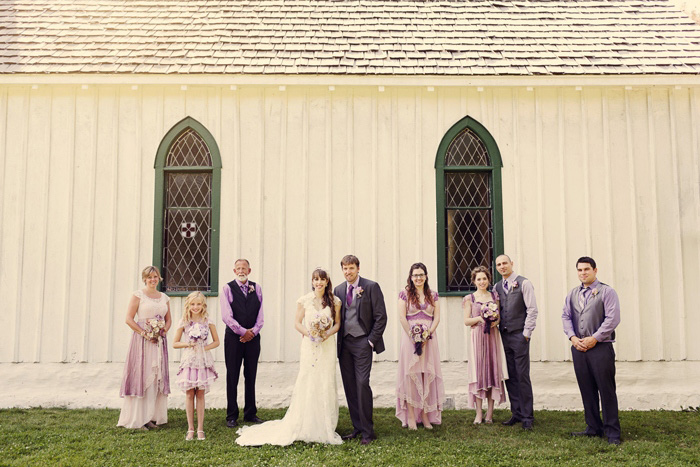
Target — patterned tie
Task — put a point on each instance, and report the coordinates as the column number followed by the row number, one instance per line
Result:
column 582, row 297
column 244, row 289
column 348, row 300
column 505, row 285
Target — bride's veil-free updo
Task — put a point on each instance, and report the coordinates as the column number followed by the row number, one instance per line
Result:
column 319, row 273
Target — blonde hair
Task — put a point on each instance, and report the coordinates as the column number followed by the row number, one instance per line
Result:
column 191, row 298
column 148, row 270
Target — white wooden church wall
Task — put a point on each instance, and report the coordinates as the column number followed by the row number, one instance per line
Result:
column 311, row 174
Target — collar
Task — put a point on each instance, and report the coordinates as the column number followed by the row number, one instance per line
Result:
column 354, row 284
column 511, row 278
column 242, row 284
column 596, row 283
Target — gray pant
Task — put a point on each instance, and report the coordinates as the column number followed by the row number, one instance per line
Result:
column 517, row 350
column 355, row 367
column 595, row 373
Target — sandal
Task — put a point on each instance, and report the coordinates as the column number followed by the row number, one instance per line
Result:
column 489, row 421
column 151, row 425
column 190, row 435
column 200, row 437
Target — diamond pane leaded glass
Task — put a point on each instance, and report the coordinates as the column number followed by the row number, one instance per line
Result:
column 469, row 244
column 186, row 249
column 188, row 190
column 188, row 150
column 467, row 149
column 187, row 225
column 467, row 189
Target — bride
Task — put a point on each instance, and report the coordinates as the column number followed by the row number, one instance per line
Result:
column 313, row 412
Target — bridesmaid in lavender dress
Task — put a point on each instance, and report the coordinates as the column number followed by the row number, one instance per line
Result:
column 487, row 367
column 420, row 392
column 146, row 382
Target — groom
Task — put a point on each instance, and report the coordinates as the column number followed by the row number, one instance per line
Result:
column 363, row 319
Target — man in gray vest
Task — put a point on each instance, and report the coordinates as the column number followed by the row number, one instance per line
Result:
column 591, row 314
column 363, row 319
column 518, row 318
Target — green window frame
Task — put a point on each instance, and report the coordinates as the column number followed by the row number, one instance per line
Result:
column 162, row 172
column 453, row 264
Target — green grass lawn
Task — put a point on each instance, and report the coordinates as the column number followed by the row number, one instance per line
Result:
column 89, row 437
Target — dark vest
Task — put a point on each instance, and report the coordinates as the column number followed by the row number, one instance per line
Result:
column 587, row 321
column 245, row 307
column 513, row 308
column 351, row 323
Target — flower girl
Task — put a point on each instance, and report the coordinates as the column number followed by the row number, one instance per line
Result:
column 196, row 373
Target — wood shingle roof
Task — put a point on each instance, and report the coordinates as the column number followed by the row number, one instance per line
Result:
column 359, row 37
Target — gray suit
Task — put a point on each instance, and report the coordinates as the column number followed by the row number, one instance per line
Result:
column 361, row 323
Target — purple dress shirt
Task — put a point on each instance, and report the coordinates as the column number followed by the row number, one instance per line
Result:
column 227, row 312
column 528, row 291
column 611, row 303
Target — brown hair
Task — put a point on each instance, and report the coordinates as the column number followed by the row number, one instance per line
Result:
column 328, row 293
column 479, row 269
column 411, row 290
column 349, row 259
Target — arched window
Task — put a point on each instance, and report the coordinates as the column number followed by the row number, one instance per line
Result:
column 469, row 205
column 187, row 200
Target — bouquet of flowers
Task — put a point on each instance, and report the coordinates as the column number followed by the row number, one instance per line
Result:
column 155, row 328
column 419, row 333
column 318, row 327
column 198, row 332
column 490, row 314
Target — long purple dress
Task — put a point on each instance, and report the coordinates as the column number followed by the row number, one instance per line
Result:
column 146, row 381
column 419, row 378
column 487, row 367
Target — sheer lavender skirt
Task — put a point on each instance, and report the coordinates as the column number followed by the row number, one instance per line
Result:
column 487, row 367
column 419, row 381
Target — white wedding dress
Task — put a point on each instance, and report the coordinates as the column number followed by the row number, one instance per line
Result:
column 313, row 412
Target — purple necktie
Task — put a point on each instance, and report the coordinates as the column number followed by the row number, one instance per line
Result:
column 505, row 285
column 244, row 289
column 349, row 297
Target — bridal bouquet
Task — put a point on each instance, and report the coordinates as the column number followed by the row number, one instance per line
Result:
column 198, row 332
column 155, row 327
column 419, row 333
column 318, row 327
column 490, row 314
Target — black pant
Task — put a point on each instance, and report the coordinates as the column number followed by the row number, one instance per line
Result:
column 355, row 368
column 595, row 373
column 517, row 350
column 236, row 352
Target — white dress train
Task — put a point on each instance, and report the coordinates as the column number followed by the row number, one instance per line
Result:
column 313, row 411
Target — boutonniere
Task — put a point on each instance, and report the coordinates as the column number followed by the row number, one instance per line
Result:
column 515, row 284
column 251, row 288
column 358, row 292
column 595, row 291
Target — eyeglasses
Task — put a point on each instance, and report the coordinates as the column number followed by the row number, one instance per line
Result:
column 418, row 276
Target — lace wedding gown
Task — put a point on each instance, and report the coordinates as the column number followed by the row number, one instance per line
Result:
column 313, row 412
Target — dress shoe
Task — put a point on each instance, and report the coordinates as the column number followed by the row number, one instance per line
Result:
column 615, row 441
column 352, row 435
column 527, row 426
column 231, row 423
column 586, row 433
column 253, row 419
column 511, row 421
column 366, row 441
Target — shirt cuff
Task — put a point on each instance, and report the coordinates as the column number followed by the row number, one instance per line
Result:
column 527, row 333
column 370, row 343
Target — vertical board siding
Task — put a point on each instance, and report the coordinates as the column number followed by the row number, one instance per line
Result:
column 311, row 174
